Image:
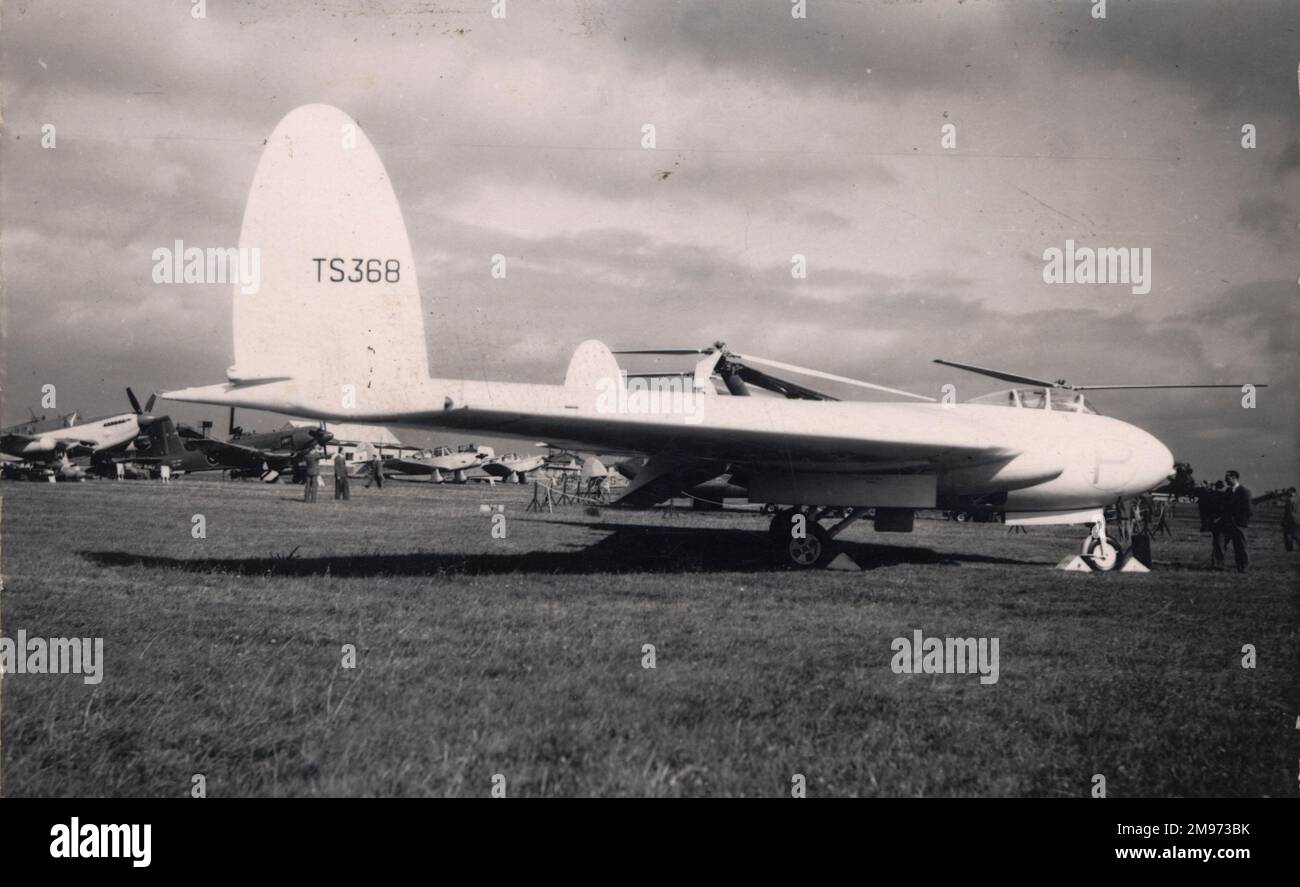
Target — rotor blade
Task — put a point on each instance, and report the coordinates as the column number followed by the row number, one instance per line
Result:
column 772, row 383
column 1005, row 377
column 704, row 370
column 830, row 376
column 135, row 404
column 664, row 351
column 1118, row 387
column 148, row 404
column 661, row 375
column 735, row 384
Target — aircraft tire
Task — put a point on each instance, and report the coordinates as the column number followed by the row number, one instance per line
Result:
column 814, row 550
column 1101, row 558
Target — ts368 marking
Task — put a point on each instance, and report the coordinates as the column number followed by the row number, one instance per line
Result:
column 360, row 270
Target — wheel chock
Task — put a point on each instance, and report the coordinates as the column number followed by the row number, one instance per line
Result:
column 1132, row 565
column 844, row 563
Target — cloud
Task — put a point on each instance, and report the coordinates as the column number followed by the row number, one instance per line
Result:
column 1267, row 216
column 819, row 137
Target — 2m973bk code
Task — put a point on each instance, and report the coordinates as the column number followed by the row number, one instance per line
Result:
column 1217, row 828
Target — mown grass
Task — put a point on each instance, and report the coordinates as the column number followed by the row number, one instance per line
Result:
column 522, row 656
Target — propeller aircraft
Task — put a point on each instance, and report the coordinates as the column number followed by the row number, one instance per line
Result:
column 1040, row 454
column 52, row 449
column 442, row 460
column 266, row 455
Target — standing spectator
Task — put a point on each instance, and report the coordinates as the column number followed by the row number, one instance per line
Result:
column 311, row 476
column 1160, row 517
column 376, row 472
column 1215, row 500
column 165, row 472
column 1289, row 537
column 341, row 488
column 121, row 470
column 1205, row 505
column 1236, row 517
column 1125, row 518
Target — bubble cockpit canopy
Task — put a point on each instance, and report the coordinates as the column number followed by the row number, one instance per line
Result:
column 1038, row 399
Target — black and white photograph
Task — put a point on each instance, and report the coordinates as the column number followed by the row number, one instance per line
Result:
column 650, row 399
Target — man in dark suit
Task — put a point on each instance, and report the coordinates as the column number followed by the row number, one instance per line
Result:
column 1204, row 502
column 1236, row 517
column 312, row 475
column 376, row 472
column 342, row 489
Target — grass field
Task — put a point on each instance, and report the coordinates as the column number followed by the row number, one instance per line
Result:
column 523, row 656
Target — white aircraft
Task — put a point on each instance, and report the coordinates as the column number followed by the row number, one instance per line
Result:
column 442, row 460
column 513, row 467
column 54, row 446
column 332, row 241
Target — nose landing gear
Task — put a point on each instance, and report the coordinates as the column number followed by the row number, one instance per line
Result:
column 1100, row 550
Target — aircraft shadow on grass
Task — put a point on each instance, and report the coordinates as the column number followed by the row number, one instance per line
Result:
column 626, row 549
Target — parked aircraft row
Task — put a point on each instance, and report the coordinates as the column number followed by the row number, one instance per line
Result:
column 444, row 464
column 48, row 447
column 66, row 448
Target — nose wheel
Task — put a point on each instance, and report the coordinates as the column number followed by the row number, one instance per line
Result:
column 1101, row 551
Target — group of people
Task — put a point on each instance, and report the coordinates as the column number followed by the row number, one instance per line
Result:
column 164, row 471
column 1225, row 510
column 342, row 483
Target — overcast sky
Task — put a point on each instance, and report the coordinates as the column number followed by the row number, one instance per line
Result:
column 775, row 136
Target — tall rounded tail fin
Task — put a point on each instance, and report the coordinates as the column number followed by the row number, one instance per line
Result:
column 334, row 300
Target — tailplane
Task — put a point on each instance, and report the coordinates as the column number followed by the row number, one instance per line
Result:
column 593, row 371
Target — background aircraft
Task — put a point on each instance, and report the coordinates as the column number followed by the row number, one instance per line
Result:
column 512, row 467
column 442, row 461
column 41, row 423
column 157, row 445
column 252, row 454
column 52, row 449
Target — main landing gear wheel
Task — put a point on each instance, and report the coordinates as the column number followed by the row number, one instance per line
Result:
column 812, row 549
column 1102, row 553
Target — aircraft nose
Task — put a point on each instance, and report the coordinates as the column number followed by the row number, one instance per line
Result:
column 1155, row 462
